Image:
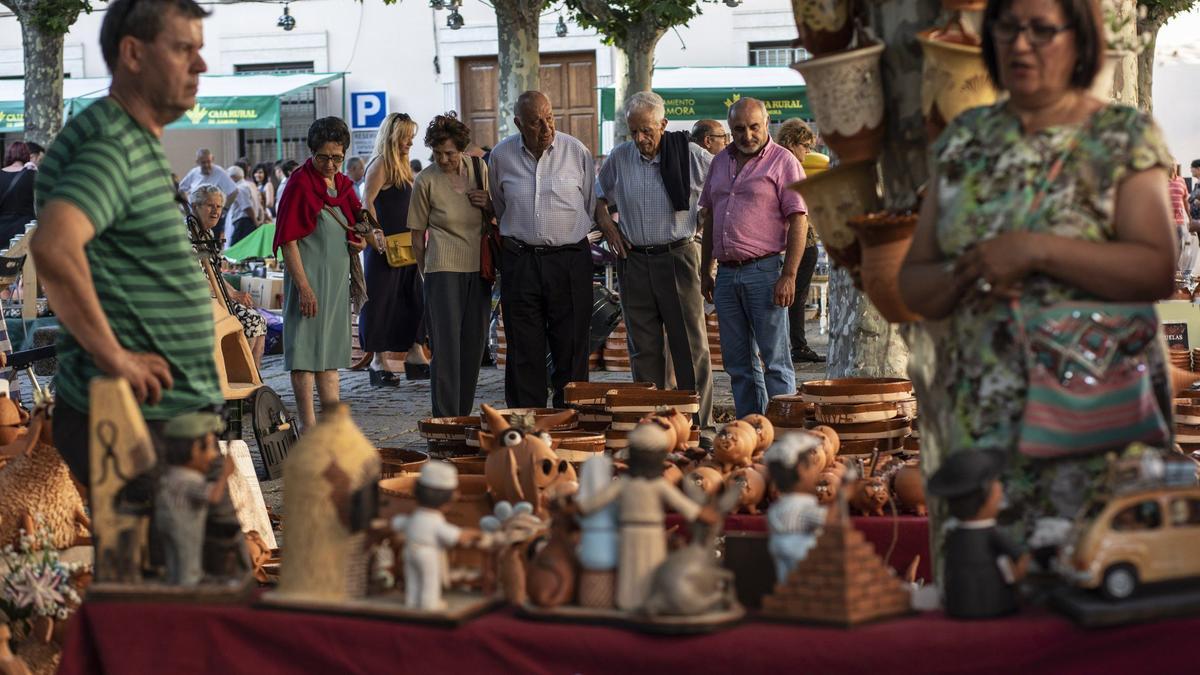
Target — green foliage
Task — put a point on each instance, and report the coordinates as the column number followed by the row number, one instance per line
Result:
column 1159, row 11
column 614, row 20
column 56, row 16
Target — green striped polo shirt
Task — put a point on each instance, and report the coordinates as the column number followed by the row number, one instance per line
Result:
column 151, row 289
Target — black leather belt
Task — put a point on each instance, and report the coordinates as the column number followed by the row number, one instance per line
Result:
column 747, row 261
column 659, row 249
column 519, row 247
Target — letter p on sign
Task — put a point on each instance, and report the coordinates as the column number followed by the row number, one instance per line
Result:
column 367, row 109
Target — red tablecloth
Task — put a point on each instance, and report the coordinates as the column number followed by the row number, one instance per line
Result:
column 912, row 536
column 228, row 640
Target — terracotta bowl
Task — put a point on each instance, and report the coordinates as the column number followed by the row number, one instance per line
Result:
column 579, row 394
column 470, row 465
column 401, row 460
column 856, row 413
column 650, row 400
column 895, row 429
column 445, row 428
column 788, row 410
column 538, row 414
column 857, row 390
column 885, row 240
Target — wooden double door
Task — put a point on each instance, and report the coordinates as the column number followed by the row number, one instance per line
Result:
column 569, row 80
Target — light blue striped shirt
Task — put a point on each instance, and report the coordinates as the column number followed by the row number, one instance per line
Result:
column 546, row 202
column 647, row 217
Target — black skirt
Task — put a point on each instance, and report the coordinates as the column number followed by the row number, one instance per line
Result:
column 391, row 321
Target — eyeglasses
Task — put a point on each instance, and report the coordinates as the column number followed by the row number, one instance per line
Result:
column 1036, row 32
column 329, row 159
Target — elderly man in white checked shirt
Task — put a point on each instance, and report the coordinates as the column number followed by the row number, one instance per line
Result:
column 655, row 180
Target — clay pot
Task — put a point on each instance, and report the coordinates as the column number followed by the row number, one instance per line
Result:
column 788, row 411
column 401, row 460
column 446, row 428
column 845, row 91
column 856, row 413
column 538, row 414
column 885, row 239
column 850, row 390
column 824, row 26
column 954, row 78
column 848, row 190
column 579, row 394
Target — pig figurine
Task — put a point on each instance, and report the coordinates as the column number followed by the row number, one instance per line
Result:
column 707, row 478
column 679, row 423
column 733, row 447
column 752, row 487
column 828, row 484
column 908, row 486
column 833, row 443
column 765, row 431
column 869, row 495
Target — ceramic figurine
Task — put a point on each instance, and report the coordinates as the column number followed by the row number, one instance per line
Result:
column 641, row 496
column 706, row 478
column 10, row 664
column 184, row 495
column 982, row 566
column 598, row 544
column 750, row 486
column 330, row 496
column 795, row 520
column 512, row 529
column 869, row 496
column 828, row 484
column 908, row 486
column 427, row 536
column 734, row 444
column 554, row 570
column 691, row 581
column 764, row 430
column 35, row 480
column 679, row 423
column 832, row 443
column 521, row 464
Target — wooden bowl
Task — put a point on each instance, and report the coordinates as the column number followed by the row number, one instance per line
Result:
column 856, row 413
column 445, row 428
column 577, row 446
column 401, row 460
column 650, row 400
column 896, row 428
column 594, row 393
column 857, row 390
column 538, row 414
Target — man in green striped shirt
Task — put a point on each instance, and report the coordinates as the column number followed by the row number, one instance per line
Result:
column 111, row 246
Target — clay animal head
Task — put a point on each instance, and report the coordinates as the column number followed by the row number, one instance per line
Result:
column 763, row 429
column 909, row 487
column 869, row 495
column 679, row 424
column 750, row 485
column 706, row 478
column 734, row 445
column 828, row 484
column 521, row 464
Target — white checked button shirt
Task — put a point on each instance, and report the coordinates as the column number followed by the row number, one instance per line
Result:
column 546, row 202
column 636, row 185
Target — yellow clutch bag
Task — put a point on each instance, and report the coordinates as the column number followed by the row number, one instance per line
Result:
column 400, row 250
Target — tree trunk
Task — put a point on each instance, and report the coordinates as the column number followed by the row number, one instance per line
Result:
column 43, row 82
column 1145, row 65
column 517, row 28
column 638, row 52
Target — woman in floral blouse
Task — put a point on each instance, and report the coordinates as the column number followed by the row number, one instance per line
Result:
column 1102, row 232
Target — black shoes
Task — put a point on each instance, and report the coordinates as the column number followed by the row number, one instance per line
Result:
column 805, row 354
column 416, row 371
column 384, row 378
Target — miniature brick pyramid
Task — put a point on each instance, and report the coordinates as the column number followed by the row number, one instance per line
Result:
column 842, row 581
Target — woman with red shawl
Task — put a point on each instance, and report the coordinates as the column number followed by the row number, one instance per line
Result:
column 313, row 226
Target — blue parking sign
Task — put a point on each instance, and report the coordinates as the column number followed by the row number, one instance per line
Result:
column 367, row 109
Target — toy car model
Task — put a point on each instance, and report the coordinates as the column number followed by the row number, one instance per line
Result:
column 1133, row 538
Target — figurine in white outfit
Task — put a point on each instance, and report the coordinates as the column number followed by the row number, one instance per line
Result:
column 795, row 519
column 427, row 536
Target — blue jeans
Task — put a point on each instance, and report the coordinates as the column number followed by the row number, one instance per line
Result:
column 746, row 310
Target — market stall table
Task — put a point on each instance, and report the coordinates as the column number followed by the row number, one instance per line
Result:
column 182, row 639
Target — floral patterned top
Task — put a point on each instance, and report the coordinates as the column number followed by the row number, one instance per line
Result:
column 988, row 170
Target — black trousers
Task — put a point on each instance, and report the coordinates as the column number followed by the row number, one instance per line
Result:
column 242, row 227
column 546, row 299
column 804, row 275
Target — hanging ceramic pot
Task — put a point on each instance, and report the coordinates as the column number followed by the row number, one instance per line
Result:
column 835, row 196
column 845, row 91
column 825, row 26
column 885, row 238
column 954, row 77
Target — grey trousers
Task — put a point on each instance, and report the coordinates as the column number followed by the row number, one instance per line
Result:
column 661, row 293
column 457, row 306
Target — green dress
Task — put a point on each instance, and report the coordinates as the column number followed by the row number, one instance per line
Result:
column 986, row 167
column 321, row 342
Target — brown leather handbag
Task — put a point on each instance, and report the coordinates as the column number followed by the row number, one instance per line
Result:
column 489, row 245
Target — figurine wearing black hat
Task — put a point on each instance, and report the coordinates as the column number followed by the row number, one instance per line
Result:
column 982, row 565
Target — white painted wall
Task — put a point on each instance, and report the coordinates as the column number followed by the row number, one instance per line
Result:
column 1177, row 86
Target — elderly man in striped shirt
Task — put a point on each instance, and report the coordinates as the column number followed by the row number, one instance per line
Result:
column 655, row 181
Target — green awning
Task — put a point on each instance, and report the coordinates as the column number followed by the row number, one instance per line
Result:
column 707, row 93
column 12, row 99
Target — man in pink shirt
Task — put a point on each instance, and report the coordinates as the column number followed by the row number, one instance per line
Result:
column 754, row 225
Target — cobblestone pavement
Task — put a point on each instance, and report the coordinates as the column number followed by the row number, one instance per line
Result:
column 389, row 416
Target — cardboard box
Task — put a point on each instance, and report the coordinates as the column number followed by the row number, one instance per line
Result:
column 267, row 293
